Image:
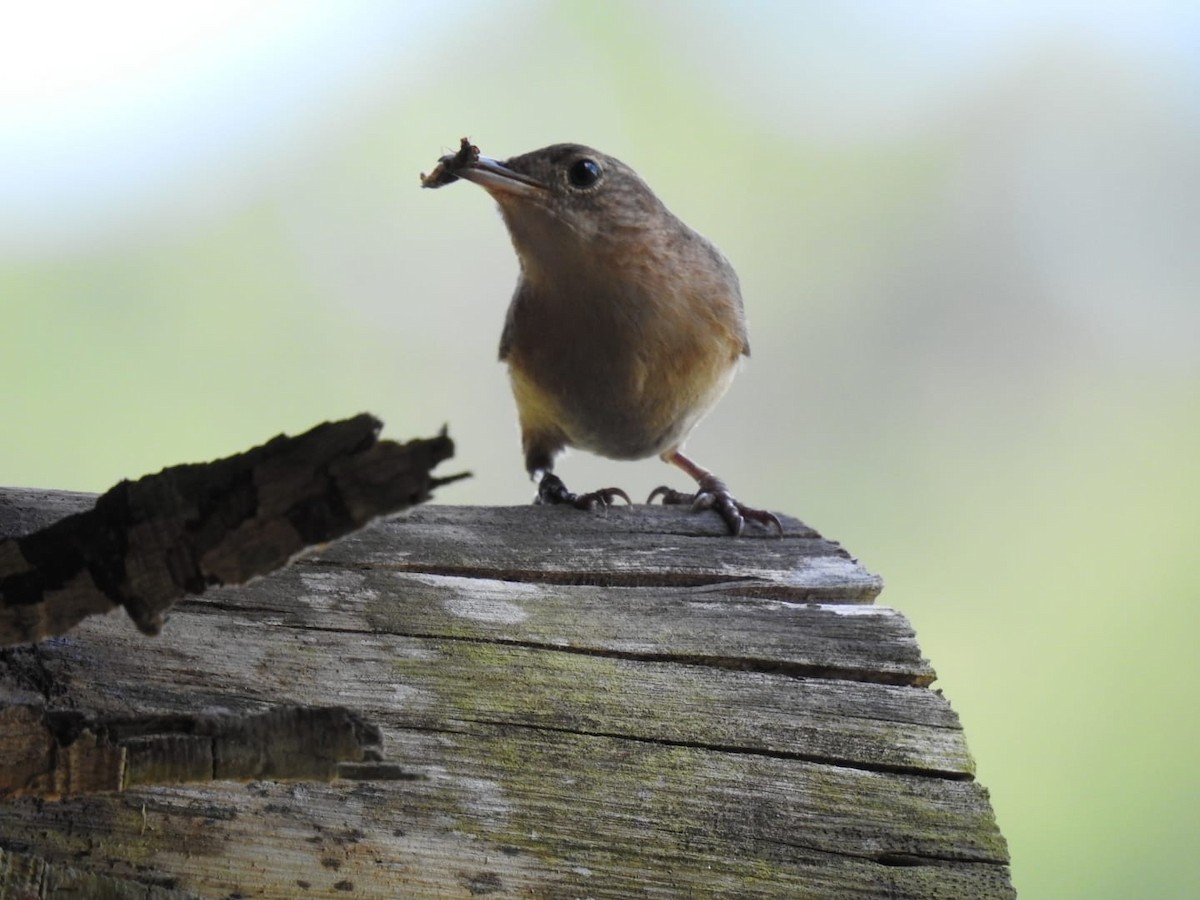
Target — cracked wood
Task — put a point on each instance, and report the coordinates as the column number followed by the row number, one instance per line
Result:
column 57, row 754
column 571, row 705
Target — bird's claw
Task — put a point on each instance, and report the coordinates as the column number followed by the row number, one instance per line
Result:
column 671, row 497
column 604, row 498
column 713, row 494
column 551, row 490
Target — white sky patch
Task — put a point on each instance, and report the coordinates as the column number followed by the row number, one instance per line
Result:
column 107, row 105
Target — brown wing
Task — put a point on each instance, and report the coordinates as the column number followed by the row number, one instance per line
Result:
column 509, row 334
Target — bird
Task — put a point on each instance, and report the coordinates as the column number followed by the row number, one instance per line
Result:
column 626, row 326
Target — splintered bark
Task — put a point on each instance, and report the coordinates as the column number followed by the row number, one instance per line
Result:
column 147, row 543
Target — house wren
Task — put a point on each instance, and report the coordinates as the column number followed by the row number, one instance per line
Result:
column 626, row 326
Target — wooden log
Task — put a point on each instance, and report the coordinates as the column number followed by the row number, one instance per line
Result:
column 570, row 704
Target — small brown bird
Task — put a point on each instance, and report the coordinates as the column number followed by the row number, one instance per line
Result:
column 626, row 326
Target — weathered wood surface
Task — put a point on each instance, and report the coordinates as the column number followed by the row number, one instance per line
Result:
column 61, row 753
column 571, row 705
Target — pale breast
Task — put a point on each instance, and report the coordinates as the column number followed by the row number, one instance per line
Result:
column 624, row 359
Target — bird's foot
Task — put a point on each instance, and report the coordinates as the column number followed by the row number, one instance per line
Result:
column 552, row 490
column 713, row 494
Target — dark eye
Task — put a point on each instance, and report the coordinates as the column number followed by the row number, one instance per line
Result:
column 584, row 173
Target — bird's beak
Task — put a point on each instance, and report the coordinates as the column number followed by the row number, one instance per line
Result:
column 499, row 180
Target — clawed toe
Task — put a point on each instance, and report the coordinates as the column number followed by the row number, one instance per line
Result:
column 670, row 496
column 713, row 494
column 763, row 517
column 603, row 497
column 551, row 490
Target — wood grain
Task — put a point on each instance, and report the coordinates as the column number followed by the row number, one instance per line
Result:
column 571, row 704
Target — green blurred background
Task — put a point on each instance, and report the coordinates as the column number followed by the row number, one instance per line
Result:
column 968, row 236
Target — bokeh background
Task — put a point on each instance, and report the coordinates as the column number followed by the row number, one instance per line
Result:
column 968, row 236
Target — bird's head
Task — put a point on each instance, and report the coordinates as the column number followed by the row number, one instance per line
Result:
column 566, row 200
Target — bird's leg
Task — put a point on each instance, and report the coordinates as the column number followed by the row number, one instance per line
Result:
column 713, row 494
column 552, row 490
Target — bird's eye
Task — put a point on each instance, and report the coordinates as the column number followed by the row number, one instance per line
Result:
column 584, row 173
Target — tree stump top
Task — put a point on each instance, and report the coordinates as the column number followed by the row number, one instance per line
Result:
column 545, row 702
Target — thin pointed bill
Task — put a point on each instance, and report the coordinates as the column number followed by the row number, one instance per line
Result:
column 496, row 178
